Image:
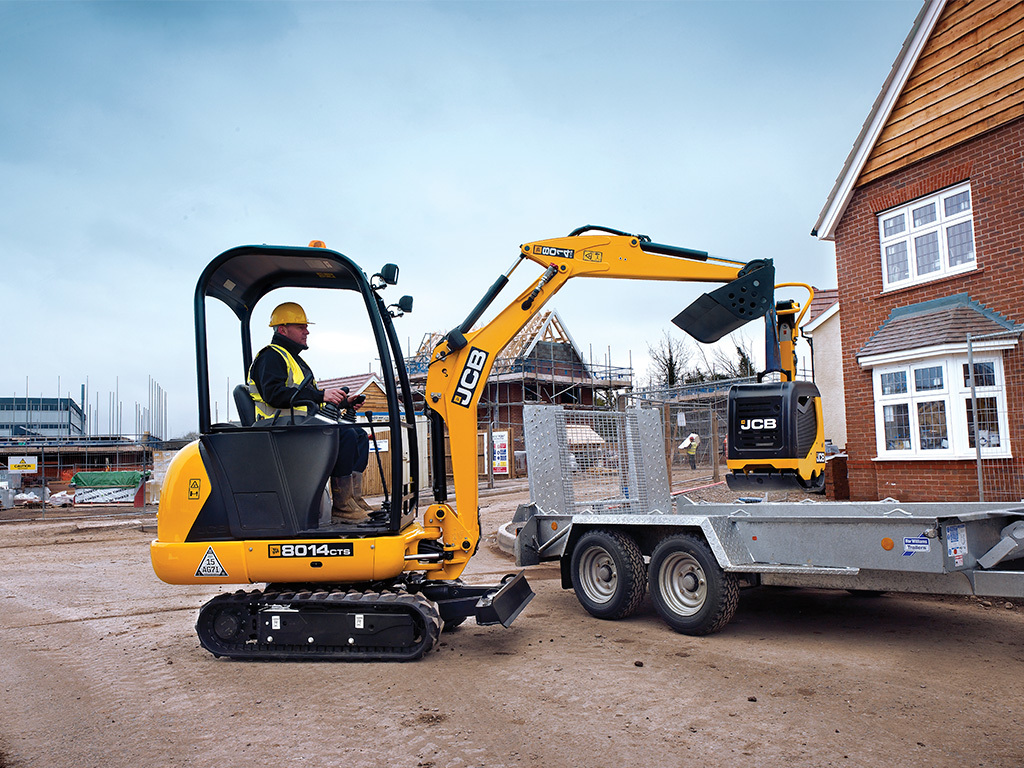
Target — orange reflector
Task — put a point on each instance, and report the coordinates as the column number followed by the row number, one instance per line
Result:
column 554, row 526
column 887, row 544
column 317, row 244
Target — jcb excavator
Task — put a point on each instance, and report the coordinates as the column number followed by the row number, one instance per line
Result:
column 242, row 503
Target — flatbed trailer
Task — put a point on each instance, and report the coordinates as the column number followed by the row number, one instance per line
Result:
column 694, row 559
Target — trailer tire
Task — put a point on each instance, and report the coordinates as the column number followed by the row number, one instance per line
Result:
column 608, row 574
column 689, row 589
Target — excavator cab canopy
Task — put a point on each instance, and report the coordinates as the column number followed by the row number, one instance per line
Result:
column 242, row 276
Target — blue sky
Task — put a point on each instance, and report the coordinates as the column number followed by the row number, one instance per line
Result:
column 139, row 140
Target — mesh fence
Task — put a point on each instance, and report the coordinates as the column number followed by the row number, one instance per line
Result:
column 596, row 461
column 699, row 410
column 997, row 437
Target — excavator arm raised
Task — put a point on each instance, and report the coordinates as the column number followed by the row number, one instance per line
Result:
column 461, row 363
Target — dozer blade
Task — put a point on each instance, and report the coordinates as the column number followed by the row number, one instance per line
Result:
column 508, row 603
column 488, row 604
column 773, row 481
column 719, row 313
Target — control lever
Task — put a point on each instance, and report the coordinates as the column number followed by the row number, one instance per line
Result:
column 384, row 513
column 349, row 412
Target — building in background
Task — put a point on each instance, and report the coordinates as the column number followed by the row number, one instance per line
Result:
column 36, row 417
column 821, row 329
column 542, row 364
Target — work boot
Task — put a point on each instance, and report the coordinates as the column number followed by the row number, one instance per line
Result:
column 357, row 491
column 343, row 507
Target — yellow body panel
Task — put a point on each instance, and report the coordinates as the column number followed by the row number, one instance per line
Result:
column 186, row 488
column 181, row 562
column 323, row 560
column 284, row 560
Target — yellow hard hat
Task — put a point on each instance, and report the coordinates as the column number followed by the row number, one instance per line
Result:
column 288, row 313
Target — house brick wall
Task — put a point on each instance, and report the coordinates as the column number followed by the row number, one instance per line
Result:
column 994, row 165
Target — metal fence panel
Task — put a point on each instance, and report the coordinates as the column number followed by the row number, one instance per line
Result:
column 596, row 461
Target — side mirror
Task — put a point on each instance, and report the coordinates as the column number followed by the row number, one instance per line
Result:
column 404, row 305
column 389, row 274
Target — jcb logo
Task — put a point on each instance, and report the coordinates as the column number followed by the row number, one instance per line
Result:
column 758, row 424
column 470, row 378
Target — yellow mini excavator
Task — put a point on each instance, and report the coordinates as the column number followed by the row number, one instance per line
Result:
column 242, row 504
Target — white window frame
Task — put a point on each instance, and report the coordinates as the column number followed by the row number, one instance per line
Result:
column 908, row 236
column 957, row 398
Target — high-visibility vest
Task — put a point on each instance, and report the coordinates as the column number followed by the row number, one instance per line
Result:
column 295, row 376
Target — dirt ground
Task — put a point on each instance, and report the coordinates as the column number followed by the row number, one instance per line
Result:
column 100, row 666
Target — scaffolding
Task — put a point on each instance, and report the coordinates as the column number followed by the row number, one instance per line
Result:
column 542, row 365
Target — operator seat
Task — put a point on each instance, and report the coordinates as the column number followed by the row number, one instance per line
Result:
column 245, row 405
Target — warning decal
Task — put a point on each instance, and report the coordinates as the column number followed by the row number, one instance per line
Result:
column 211, row 565
column 193, row 489
column 956, row 540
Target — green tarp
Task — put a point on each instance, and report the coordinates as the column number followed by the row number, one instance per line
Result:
column 106, row 479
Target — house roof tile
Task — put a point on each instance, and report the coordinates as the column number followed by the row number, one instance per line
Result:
column 932, row 323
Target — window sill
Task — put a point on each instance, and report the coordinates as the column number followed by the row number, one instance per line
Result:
column 885, row 294
column 984, row 457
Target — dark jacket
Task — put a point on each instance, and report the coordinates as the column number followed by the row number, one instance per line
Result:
column 270, row 372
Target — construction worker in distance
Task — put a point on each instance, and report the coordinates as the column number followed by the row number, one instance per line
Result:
column 690, row 446
column 274, row 380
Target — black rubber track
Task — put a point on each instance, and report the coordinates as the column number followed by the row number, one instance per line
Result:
column 228, row 624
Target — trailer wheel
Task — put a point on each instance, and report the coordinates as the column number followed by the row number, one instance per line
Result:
column 689, row 589
column 608, row 574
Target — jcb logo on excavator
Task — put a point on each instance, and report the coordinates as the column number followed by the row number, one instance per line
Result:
column 759, row 424
column 470, row 378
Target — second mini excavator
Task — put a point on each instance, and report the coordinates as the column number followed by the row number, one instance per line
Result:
column 241, row 504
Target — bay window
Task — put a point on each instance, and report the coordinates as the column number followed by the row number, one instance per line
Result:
column 923, row 408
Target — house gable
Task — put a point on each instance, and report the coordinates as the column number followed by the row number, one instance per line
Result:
column 969, row 72
column 957, row 77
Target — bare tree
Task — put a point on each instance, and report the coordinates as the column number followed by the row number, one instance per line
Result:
column 738, row 366
column 669, row 360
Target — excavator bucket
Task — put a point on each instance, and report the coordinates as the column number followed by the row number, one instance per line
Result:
column 719, row 313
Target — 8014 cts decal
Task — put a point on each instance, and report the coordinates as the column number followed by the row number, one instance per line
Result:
column 310, row 550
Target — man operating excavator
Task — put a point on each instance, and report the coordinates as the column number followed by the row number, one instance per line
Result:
column 276, row 384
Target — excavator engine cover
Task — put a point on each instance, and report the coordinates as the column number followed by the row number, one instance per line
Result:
column 773, row 429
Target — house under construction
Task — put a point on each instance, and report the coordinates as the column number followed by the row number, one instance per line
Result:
column 541, row 365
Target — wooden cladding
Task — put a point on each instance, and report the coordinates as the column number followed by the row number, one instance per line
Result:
column 968, row 80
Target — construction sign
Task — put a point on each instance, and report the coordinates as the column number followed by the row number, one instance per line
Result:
column 28, row 464
column 499, row 453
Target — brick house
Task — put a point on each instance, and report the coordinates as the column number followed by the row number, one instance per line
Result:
column 927, row 217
